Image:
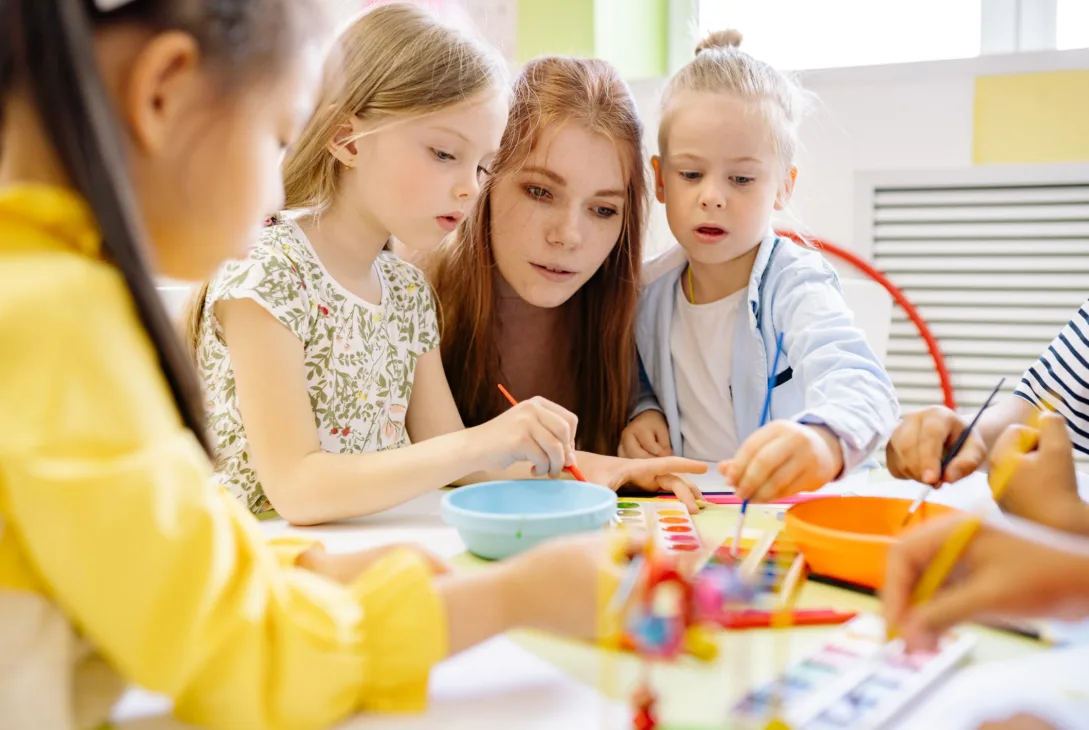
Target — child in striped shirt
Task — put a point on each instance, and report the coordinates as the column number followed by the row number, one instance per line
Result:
column 1058, row 382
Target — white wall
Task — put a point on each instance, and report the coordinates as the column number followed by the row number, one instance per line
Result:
column 495, row 20
column 904, row 116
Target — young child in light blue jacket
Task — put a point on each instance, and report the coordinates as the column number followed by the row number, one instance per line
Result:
column 714, row 309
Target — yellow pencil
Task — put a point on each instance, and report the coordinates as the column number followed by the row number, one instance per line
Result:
column 950, row 552
column 943, row 563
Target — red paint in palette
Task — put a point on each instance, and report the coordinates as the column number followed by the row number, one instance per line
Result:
column 676, row 532
column 682, row 538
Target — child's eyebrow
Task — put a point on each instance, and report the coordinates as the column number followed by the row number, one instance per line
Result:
column 450, row 130
column 686, row 156
column 698, row 158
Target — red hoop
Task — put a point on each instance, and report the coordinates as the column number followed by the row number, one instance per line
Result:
column 894, row 291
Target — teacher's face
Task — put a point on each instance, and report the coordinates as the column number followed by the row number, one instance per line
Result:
column 556, row 218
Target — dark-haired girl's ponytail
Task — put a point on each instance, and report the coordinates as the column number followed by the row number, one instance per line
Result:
column 58, row 62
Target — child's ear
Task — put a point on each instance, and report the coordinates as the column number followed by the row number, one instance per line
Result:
column 787, row 190
column 343, row 144
column 659, row 182
column 164, row 82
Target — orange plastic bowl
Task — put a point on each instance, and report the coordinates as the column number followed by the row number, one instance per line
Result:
column 848, row 538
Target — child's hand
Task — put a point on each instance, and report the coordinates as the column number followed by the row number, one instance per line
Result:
column 536, row 430
column 1020, row 721
column 1044, row 486
column 645, row 437
column 651, row 475
column 999, row 574
column 563, row 585
column 916, row 447
column 347, row 567
column 784, row 458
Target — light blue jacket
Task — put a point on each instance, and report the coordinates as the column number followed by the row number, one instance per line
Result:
column 827, row 375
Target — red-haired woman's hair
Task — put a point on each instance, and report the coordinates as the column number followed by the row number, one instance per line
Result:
column 548, row 92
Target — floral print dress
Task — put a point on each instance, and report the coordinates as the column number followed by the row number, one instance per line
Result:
column 360, row 357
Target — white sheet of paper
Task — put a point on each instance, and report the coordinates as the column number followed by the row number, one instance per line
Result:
column 501, row 685
column 711, row 482
column 495, row 685
column 1053, row 685
column 969, row 494
column 416, row 521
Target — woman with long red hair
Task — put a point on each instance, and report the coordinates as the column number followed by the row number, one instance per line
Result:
column 539, row 289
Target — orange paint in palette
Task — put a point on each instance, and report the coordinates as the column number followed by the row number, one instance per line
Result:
column 672, row 528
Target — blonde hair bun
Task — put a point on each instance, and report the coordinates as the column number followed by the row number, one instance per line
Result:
column 721, row 39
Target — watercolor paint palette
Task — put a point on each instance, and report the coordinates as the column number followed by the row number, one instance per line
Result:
column 669, row 523
column 857, row 680
column 774, row 566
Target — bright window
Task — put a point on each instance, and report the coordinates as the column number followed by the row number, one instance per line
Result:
column 807, row 34
column 1072, row 30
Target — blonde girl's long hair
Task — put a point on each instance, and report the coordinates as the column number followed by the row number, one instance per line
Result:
column 395, row 61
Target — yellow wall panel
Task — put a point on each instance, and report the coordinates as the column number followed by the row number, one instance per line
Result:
column 1032, row 118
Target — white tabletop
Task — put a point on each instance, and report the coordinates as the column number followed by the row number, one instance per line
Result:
column 502, row 685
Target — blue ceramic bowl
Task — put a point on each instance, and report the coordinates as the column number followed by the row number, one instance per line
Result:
column 500, row 519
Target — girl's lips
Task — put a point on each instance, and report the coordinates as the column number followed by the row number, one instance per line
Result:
column 553, row 273
column 710, row 234
column 448, row 222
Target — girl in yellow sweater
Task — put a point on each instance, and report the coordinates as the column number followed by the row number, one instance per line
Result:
column 141, row 135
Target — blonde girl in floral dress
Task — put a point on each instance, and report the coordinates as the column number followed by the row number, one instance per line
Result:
column 319, row 352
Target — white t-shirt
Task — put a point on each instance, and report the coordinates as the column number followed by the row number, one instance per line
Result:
column 701, row 342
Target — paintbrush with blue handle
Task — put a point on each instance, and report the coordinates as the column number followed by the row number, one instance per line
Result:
column 764, row 416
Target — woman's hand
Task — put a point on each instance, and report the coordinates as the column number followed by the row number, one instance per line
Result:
column 651, row 475
column 536, row 430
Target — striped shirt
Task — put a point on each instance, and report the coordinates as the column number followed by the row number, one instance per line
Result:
column 1061, row 378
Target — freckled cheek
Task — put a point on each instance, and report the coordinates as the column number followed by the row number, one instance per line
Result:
column 602, row 241
column 523, row 223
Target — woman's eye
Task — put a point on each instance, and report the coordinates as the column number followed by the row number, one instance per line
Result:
column 537, row 192
column 605, row 211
